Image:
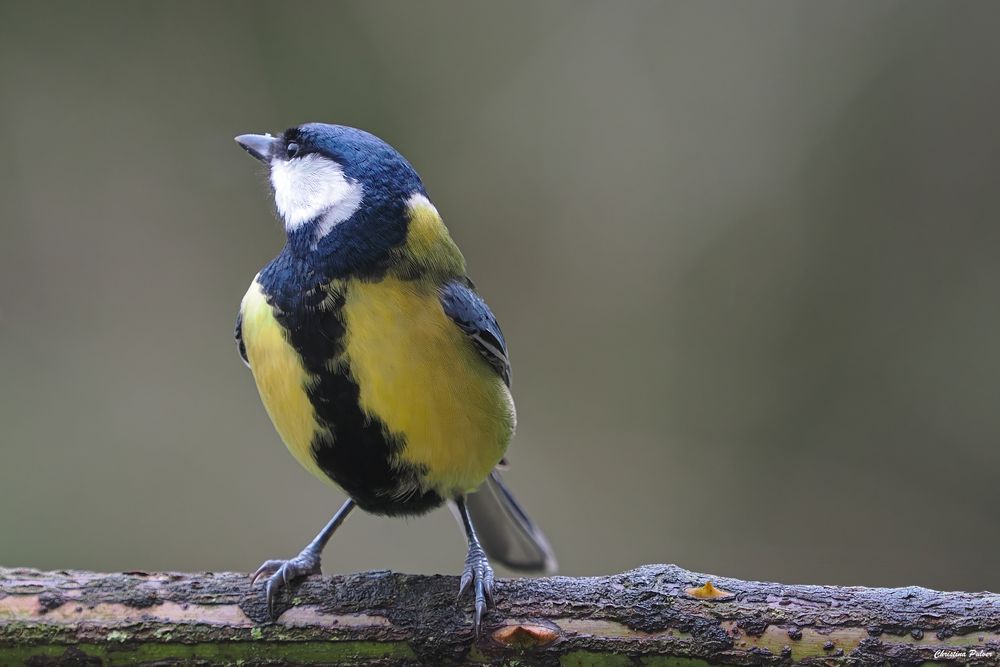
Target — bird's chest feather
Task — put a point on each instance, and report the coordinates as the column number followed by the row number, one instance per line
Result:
column 374, row 381
column 419, row 374
column 281, row 377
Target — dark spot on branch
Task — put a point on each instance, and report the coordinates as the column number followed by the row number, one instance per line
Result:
column 48, row 601
column 754, row 626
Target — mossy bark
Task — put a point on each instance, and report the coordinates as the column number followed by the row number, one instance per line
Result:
column 657, row 615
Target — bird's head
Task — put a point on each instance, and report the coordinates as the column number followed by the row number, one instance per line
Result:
column 329, row 178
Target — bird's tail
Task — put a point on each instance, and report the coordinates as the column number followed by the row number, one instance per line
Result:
column 507, row 534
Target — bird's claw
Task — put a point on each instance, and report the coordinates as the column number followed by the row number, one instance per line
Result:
column 478, row 576
column 281, row 573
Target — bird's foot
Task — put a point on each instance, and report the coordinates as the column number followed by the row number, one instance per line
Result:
column 281, row 573
column 478, row 576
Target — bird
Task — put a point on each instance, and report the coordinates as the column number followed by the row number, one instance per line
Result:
column 381, row 367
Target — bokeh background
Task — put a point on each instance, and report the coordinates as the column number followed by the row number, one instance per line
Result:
column 746, row 255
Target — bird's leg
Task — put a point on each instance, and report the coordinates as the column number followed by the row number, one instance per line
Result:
column 478, row 575
column 281, row 573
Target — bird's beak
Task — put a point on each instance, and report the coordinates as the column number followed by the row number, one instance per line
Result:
column 261, row 146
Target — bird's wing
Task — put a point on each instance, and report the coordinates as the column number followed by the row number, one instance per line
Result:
column 468, row 310
column 240, row 347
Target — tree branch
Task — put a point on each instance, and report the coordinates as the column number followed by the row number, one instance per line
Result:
column 655, row 615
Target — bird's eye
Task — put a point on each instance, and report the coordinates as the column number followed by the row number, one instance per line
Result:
column 292, row 149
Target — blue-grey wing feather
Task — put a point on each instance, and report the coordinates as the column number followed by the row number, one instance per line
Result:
column 468, row 310
column 240, row 347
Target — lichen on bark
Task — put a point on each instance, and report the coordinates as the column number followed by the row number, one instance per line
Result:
column 654, row 616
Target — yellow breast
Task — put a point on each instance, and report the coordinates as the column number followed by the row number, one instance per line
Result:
column 416, row 373
column 419, row 374
column 280, row 377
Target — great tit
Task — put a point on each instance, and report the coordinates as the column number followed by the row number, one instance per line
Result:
column 381, row 367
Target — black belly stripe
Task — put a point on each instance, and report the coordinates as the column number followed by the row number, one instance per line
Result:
column 357, row 451
column 357, row 455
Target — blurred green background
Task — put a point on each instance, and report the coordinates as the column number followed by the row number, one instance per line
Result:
column 746, row 256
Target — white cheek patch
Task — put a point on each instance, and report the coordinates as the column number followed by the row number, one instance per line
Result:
column 306, row 188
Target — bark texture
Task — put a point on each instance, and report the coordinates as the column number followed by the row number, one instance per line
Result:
column 657, row 615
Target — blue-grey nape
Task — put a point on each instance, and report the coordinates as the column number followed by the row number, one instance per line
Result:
column 363, row 156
